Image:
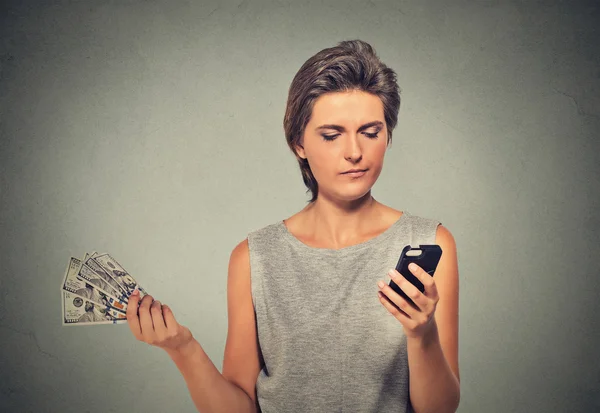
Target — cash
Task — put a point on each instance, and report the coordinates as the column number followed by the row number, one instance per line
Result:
column 96, row 290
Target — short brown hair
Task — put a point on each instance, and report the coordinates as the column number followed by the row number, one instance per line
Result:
column 351, row 65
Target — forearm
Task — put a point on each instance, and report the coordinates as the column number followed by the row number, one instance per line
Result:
column 433, row 385
column 210, row 391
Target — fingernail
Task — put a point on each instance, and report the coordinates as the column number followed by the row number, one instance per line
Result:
column 135, row 292
column 391, row 273
column 412, row 267
column 381, row 284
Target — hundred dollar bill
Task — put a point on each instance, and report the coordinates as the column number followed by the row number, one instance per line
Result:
column 81, row 311
column 90, row 262
column 109, row 280
column 95, row 279
column 83, row 288
column 111, row 266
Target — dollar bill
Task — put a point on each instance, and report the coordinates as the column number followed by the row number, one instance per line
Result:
column 95, row 279
column 119, row 274
column 79, row 286
column 82, row 311
column 90, row 262
column 95, row 291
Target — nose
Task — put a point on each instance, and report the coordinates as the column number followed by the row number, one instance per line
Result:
column 353, row 151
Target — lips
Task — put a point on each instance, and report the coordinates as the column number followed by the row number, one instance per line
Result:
column 355, row 171
column 356, row 174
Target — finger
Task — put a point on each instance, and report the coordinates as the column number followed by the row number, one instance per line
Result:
column 393, row 310
column 132, row 315
column 170, row 321
column 426, row 279
column 146, row 318
column 419, row 301
column 397, row 300
column 157, row 319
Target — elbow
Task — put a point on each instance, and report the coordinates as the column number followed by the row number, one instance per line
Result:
column 456, row 399
column 453, row 399
column 451, row 405
column 446, row 400
column 456, row 404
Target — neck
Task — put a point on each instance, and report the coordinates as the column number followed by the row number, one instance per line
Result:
column 339, row 223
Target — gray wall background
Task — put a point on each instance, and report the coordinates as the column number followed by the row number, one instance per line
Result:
column 152, row 130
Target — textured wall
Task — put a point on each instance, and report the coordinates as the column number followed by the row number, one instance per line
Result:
column 153, row 131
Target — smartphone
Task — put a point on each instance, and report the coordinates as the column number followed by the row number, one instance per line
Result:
column 425, row 256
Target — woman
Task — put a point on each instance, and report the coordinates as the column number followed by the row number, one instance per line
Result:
column 309, row 326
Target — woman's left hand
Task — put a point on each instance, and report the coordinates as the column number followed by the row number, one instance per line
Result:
column 417, row 322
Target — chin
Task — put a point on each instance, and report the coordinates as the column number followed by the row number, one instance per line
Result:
column 356, row 195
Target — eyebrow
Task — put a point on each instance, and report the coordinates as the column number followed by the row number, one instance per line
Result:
column 342, row 129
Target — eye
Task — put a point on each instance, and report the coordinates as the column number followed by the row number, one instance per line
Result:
column 332, row 137
column 329, row 137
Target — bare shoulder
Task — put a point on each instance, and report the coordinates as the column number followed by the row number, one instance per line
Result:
column 448, row 266
column 445, row 237
column 241, row 361
column 240, row 256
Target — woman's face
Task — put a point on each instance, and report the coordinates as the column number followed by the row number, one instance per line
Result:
column 346, row 131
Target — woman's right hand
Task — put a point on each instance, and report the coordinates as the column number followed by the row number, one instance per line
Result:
column 154, row 324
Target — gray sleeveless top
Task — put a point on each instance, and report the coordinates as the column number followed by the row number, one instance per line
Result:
column 327, row 342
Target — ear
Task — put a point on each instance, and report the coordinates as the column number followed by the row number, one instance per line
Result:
column 300, row 150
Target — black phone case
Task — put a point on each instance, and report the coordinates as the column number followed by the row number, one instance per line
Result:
column 428, row 260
